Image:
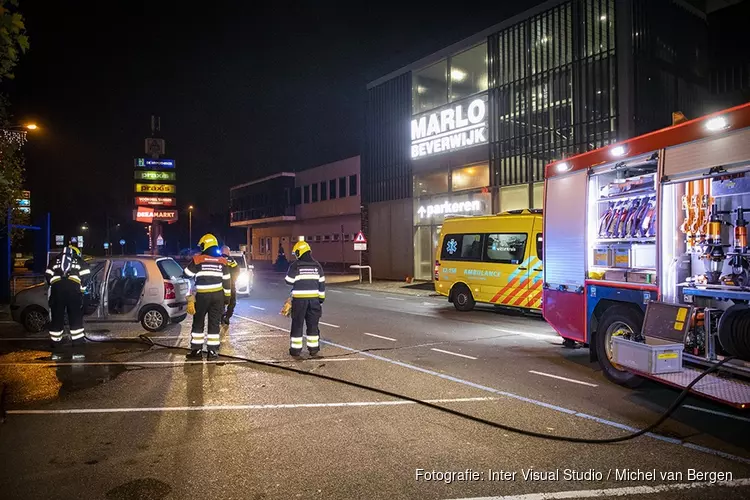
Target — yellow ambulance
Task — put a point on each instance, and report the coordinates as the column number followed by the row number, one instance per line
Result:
column 492, row 259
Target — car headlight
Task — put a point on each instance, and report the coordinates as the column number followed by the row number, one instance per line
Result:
column 243, row 279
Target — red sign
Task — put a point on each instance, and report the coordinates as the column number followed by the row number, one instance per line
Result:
column 360, row 238
column 155, row 201
column 144, row 214
column 167, row 215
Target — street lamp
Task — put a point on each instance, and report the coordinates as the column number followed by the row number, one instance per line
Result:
column 190, row 224
column 84, row 227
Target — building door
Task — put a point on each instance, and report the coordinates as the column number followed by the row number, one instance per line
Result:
column 423, row 252
column 435, row 242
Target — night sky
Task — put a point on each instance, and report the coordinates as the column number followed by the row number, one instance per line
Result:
column 242, row 92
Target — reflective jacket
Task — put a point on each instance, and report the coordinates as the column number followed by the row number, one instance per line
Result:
column 67, row 265
column 211, row 274
column 307, row 279
column 234, row 270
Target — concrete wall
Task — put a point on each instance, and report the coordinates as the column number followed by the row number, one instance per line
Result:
column 390, row 239
column 326, row 173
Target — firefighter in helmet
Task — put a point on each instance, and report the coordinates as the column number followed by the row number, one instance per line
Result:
column 234, row 271
column 308, row 293
column 64, row 276
column 212, row 279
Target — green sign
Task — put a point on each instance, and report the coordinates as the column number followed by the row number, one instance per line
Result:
column 154, row 175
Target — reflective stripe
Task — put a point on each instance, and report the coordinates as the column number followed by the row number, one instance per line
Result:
column 209, row 288
column 213, row 339
column 83, row 289
column 197, row 336
column 85, row 272
column 56, row 266
column 312, row 341
column 214, row 274
column 322, row 279
column 55, row 334
column 77, row 336
column 228, row 292
column 54, row 279
column 79, row 330
column 305, row 294
column 56, row 339
column 290, row 280
column 322, row 295
column 315, row 277
column 50, row 271
column 226, row 276
column 189, row 272
column 296, row 342
column 75, row 278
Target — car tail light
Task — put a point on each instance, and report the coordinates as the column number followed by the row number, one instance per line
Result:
column 437, row 270
column 169, row 291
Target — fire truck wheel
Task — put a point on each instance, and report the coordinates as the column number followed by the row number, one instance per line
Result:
column 616, row 321
column 463, row 300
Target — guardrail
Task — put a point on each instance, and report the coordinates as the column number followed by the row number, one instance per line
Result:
column 22, row 281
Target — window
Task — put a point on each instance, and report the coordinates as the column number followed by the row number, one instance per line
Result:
column 506, row 248
column 314, row 189
column 332, row 188
column 540, row 246
column 429, row 87
column 514, row 197
column 428, row 184
column 468, row 72
column 342, row 187
column 472, row 177
column 353, row 185
column 309, row 238
column 346, row 236
column 297, row 196
column 323, row 191
column 268, row 245
column 336, row 237
column 462, row 247
column 317, row 238
column 326, row 237
column 169, row 269
column 307, row 194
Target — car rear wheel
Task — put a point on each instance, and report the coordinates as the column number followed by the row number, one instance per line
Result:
column 463, row 300
column 34, row 319
column 154, row 319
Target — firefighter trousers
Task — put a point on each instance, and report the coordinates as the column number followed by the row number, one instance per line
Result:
column 211, row 304
column 230, row 308
column 66, row 297
column 305, row 313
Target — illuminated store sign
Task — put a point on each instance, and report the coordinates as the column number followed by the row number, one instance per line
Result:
column 154, row 175
column 459, row 126
column 463, row 207
column 155, row 188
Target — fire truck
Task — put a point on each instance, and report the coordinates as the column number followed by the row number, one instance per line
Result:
column 647, row 261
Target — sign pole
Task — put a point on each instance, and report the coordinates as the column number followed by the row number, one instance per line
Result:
column 360, row 266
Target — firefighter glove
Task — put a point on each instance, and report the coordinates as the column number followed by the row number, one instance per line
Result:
column 286, row 310
column 191, row 305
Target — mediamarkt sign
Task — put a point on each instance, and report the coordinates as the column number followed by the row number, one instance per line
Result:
column 459, row 126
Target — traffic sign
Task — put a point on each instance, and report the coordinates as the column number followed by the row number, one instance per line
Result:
column 360, row 238
column 106, row 246
column 159, row 241
column 360, row 247
column 122, row 243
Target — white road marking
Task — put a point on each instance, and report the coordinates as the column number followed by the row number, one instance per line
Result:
column 362, row 294
column 258, row 308
column 453, row 353
column 241, row 407
column 169, row 363
column 380, row 337
column 328, row 324
column 394, row 298
column 617, row 492
column 714, row 412
column 539, row 336
column 431, row 304
column 558, row 377
column 335, row 291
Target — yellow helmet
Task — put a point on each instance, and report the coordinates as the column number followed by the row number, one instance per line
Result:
column 208, row 241
column 300, row 248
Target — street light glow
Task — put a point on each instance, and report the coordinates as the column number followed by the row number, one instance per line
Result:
column 190, row 207
column 31, row 126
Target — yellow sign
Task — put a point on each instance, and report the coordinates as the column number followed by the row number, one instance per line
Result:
column 667, row 355
column 155, row 188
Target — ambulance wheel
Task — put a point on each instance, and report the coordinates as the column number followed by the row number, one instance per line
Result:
column 463, row 300
column 617, row 321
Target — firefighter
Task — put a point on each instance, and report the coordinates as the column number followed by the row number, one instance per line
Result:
column 213, row 291
column 64, row 276
column 234, row 271
column 308, row 293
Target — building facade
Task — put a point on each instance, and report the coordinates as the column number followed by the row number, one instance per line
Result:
column 469, row 129
column 320, row 205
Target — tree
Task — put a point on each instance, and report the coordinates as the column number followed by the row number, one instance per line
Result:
column 13, row 43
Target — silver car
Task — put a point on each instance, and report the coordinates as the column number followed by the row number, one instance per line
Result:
column 145, row 289
column 246, row 277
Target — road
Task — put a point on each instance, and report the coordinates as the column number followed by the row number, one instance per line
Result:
column 134, row 421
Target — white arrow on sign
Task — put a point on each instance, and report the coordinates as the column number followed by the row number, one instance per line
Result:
column 421, row 211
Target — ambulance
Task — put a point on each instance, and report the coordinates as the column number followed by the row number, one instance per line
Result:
column 492, row 259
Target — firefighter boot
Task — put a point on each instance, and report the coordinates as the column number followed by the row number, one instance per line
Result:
column 79, row 349
column 212, row 355
column 194, row 354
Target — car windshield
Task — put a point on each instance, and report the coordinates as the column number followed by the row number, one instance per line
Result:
column 240, row 260
column 170, row 269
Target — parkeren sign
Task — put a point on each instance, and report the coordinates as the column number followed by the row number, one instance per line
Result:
column 459, row 126
column 461, row 207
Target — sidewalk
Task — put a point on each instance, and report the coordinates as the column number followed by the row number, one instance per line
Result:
column 418, row 289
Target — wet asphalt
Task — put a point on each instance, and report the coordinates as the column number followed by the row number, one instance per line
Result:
column 137, row 421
